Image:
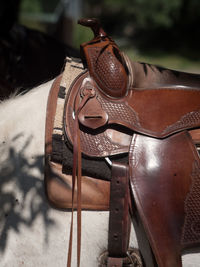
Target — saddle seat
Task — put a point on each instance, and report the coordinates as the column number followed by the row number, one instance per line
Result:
column 150, row 76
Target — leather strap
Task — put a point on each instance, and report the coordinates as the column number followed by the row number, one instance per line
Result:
column 119, row 220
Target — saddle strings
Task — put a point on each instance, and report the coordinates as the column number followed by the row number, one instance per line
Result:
column 77, row 172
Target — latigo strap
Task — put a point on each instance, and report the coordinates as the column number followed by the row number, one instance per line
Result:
column 119, row 220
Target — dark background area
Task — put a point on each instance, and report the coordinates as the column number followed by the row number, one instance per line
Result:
column 171, row 25
column 166, row 32
column 157, row 31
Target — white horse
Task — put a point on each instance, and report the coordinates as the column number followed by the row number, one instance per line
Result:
column 31, row 232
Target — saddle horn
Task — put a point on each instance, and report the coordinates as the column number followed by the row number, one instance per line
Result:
column 95, row 25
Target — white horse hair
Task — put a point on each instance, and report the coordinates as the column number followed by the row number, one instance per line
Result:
column 31, row 232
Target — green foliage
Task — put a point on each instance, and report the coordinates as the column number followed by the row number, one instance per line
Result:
column 31, row 6
column 152, row 24
column 144, row 13
column 81, row 35
column 156, row 13
column 38, row 6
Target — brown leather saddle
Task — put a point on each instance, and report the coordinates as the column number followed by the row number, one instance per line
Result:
column 117, row 107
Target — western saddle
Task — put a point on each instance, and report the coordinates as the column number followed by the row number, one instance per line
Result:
column 144, row 121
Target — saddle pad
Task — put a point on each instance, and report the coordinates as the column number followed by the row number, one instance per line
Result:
column 95, row 192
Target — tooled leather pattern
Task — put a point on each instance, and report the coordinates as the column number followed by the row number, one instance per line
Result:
column 191, row 228
column 187, row 121
column 119, row 112
column 98, row 145
column 107, row 69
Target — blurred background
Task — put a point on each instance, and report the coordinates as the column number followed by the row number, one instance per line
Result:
column 157, row 31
